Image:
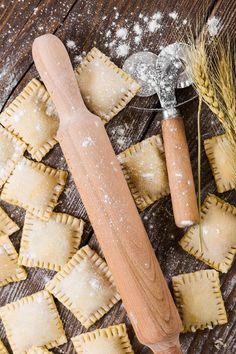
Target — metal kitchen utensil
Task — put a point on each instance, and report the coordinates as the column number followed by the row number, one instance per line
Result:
column 169, row 73
column 177, row 51
column 141, row 67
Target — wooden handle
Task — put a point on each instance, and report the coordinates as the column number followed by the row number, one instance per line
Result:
column 180, row 174
column 107, row 199
column 171, row 350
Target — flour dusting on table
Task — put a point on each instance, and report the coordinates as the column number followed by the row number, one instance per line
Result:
column 128, row 37
column 213, row 26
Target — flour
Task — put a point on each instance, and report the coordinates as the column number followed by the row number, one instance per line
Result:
column 122, row 50
column 88, row 141
column 219, row 343
column 10, row 81
column 137, row 29
column 122, row 33
column 121, row 40
column 213, row 26
column 70, row 44
column 157, row 16
column 153, row 26
column 108, row 34
column 174, row 15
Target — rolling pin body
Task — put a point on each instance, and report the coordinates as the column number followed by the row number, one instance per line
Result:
column 109, row 204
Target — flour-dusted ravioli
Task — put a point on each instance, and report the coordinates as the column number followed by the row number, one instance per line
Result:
column 10, row 271
column 221, row 157
column 3, row 349
column 199, row 300
column 50, row 244
column 33, row 321
column 31, row 117
column 85, row 286
column 111, row 340
column 11, row 150
column 105, row 88
column 144, row 168
column 38, row 350
column 218, row 232
column 7, row 225
column 34, row 187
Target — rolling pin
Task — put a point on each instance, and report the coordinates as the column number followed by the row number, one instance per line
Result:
column 109, row 204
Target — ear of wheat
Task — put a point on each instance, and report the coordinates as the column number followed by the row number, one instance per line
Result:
column 212, row 67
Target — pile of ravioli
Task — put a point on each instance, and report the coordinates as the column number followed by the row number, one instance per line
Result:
column 51, row 240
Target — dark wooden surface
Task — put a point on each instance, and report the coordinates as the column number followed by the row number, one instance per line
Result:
column 86, row 22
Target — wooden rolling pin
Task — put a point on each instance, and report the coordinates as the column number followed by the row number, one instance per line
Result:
column 109, row 204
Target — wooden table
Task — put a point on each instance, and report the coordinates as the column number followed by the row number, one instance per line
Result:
column 87, row 22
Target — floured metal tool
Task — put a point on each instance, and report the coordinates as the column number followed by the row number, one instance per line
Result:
column 177, row 51
column 168, row 73
column 141, row 66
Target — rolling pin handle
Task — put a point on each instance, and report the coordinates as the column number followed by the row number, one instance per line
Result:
column 172, row 346
column 172, row 350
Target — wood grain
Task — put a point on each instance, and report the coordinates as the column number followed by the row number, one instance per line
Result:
column 182, row 190
column 83, row 21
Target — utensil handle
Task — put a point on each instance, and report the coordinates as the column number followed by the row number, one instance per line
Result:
column 180, row 174
column 172, row 350
column 107, row 199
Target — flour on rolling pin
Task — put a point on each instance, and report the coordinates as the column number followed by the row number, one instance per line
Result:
column 108, row 202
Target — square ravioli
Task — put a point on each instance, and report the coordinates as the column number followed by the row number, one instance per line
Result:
column 221, row 157
column 10, row 271
column 7, row 225
column 38, row 350
column 199, row 300
column 34, row 187
column 105, row 88
column 85, row 286
column 111, row 340
column 50, row 244
column 3, row 349
column 144, row 168
column 33, row 321
column 11, row 150
column 218, row 231
column 32, row 118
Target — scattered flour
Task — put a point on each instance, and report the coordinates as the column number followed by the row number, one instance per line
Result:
column 70, row 44
column 218, row 343
column 137, row 29
column 117, row 37
column 157, row 16
column 122, row 50
column 78, row 58
column 120, row 40
column 153, row 26
column 122, row 33
column 174, row 15
column 213, row 26
column 88, row 141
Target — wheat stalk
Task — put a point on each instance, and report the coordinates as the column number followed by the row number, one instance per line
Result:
column 226, row 88
column 199, row 72
column 213, row 75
